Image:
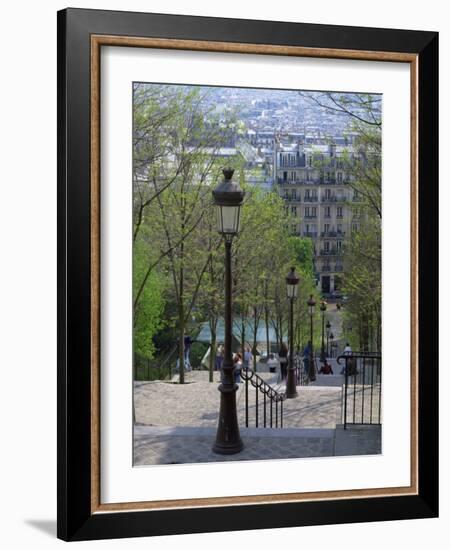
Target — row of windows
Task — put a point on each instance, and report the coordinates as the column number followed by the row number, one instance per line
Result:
column 310, row 229
column 291, row 159
column 328, row 267
column 336, row 247
column 311, row 211
column 312, row 195
column 308, row 176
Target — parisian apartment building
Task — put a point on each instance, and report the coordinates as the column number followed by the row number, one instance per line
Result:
column 312, row 177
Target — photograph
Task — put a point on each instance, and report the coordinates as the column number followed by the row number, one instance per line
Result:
column 246, row 274
column 257, row 273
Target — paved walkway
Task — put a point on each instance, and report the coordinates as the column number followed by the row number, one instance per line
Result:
column 196, row 403
column 193, row 445
column 177, row 423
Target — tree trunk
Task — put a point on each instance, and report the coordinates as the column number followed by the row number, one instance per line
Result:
column 181, row 342
column 242, row 335
column 254, row 350
column 181, row 316
column 212, row 352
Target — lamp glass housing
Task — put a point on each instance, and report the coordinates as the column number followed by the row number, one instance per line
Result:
column 228, row 219
column 291, row 290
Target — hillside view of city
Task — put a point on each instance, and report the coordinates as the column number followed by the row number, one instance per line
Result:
column 290, row 183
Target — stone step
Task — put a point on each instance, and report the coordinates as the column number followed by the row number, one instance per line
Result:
column 358, row 440
column 331, row 380
column 141, row 430
column 181, row 445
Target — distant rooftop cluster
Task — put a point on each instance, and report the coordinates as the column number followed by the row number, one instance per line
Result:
column 292, row 145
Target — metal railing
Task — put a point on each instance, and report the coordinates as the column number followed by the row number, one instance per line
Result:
column 333, row 198
column 150, row 369
column 362, row 388
column 302, row 377
column 330, row 252
column 330, row 234
column 271, row 400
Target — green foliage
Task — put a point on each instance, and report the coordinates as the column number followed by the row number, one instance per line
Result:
column 303, row 252
column 148, row 314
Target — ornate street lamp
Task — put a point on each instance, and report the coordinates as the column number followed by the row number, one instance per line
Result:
column 311, row 305
column 291, row 290
column 228, row 197
column 328, row 327
column 323, row 308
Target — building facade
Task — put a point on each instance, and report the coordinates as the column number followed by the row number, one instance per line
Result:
column 313, row 179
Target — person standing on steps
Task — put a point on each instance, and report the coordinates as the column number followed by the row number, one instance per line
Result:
column 248, row 357
column 237, row 360
column 306, row 357
column 272, row 363
column 348, row 352
column 283, row 355
column 187, row 350
column 219, row 357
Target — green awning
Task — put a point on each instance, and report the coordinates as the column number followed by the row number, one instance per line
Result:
column 205, row 331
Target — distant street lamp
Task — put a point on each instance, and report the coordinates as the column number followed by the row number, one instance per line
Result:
column 291, row 289
column 311, row 305
column 328, row 327
column 323, row 308
column 331, row 345
column 228, row 197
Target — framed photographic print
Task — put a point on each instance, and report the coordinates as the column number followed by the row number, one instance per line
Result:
column 247, row 274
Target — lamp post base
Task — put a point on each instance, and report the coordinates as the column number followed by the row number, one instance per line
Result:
column 228, row 439
column 228, row 449
column 291, row 390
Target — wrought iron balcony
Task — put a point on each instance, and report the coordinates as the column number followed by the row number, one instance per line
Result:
column 310, row 199
column 334, row 198
column 311, row 234
column 331, row 234
column 331, row 252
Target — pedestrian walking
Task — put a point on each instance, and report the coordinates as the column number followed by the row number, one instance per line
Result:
column 283, row 355
column 306, row 357
column 349, row 363
column 237, row 361
column 219, row 357
column 187, row 349
column 248, row 357
column 272, row 363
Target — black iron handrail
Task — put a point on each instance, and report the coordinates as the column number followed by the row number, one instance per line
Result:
column 269, row 393
column 302, row 377
column 362, row 388
column 146, row 364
